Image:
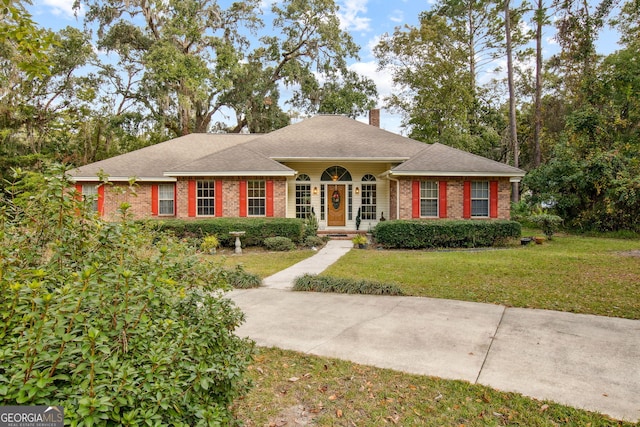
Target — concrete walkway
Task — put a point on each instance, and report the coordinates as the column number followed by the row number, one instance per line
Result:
column 588, row 362
column 316, row 264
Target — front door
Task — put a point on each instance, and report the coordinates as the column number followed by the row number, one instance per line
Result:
column 336, row 205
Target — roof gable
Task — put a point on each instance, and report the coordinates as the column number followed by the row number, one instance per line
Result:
column 335, row 137
column 438, row 159
column 233, row 161
column 154, row 160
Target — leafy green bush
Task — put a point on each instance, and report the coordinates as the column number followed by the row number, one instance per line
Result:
column 241, row 279
column 313, row 241
column 548, row 223
column 311, row 225
column 413, row 234
column 209, row 244
column 256, row 229
column 279, row 244
column 313, row 283
column 117, row 325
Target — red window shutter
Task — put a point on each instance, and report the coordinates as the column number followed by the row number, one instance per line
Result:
column 154, row 200
column 415, row 199
column 101, row 200
column 493, row 199
column 442, row 196
column 218, row 196
column 79, row 190
column 243, row 198
column 191, row 197
column 466, row 210
column 269, row 198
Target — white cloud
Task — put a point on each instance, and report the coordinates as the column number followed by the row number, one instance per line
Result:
column 63, row 8
column 350, row 19
column 382, row 78
column 397, row 16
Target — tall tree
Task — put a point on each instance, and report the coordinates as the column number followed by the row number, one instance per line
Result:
column 306, row 45
column 429, row 66
column 540, row 19
column 187, row 51
column 195, row 58
column 513, row 131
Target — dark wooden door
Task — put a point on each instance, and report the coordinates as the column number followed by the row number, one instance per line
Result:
column 336, row 206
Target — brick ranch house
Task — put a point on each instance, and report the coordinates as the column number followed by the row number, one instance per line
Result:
column 332, row 165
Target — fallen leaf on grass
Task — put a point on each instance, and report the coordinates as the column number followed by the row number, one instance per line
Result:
column 544, row 407
column 339, row 413
column 293, row 379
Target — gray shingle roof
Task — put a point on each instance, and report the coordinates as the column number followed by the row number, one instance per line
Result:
column 153, row 161
column 234, row 161
column 438, row 159
column 320, row 138
column 335, row 137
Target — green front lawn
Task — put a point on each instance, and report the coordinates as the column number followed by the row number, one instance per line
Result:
column 569, row 273
column 262, row 262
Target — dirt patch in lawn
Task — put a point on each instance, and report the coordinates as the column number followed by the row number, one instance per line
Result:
column 631, row 253
column 296, row 415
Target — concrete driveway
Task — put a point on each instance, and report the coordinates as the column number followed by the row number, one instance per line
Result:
column 588, row 362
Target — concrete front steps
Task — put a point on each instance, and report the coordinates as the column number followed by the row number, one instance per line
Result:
column 340, row 234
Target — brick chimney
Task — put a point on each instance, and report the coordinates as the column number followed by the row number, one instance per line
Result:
column 374, row 117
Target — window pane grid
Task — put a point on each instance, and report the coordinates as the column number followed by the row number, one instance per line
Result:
column 303, row 200
column 369, row 201
column 428, row 199
column 166, row 193
column 256, row 198
column 206, row 198
column 90, row 191
column 480, row 199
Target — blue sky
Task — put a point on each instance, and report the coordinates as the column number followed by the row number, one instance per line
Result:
column 365, row 20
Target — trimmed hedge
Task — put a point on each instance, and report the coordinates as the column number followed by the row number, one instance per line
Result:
column 313, row 283
column 256, row 229
column 415, row 234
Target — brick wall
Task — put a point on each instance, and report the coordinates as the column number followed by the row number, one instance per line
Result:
column 455, row 195
column 139, row 198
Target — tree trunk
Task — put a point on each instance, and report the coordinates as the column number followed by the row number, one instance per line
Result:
column 537, row 129
column 513, row 132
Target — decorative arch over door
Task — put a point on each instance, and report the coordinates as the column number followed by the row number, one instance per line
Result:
column 338, row 196
column 336, row 173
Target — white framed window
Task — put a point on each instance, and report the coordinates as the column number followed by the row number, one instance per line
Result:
column 256, row 198
column 166, row 199
column 429, row 199
column 368, row 200
column 480, row 199
column 303, row 196
column 206, row 198
column 90, row 192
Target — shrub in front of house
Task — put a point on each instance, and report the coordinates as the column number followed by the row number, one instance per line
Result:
column 281, row 244
column 313, row 283
column 313, row 241
column 119, row 325
column 413, row 234
column 256, row 229
column 241, row 279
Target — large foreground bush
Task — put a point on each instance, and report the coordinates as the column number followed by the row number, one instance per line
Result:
column 114, row 323
column 444, row 234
